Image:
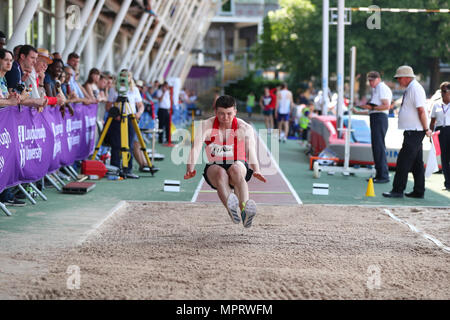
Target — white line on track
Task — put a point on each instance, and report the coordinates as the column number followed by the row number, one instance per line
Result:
column 294, row 193
column 415, row 229
column 116, row 208
column 197, row 190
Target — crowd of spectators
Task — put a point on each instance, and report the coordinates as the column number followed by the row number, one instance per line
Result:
column 32, row 77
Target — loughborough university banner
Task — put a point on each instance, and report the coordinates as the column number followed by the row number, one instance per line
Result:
column 33, row 144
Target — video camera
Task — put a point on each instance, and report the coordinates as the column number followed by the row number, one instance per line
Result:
column 122, row 84
column 20, row 88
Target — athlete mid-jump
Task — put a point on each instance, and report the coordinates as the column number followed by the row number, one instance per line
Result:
column 231, row 152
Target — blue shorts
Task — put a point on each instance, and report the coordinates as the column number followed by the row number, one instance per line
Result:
column 268, row 112
column 249, row 109
column 283, row 117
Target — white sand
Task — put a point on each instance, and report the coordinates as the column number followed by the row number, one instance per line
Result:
column 194, row 251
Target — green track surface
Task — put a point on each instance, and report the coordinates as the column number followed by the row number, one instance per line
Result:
column 79, row 213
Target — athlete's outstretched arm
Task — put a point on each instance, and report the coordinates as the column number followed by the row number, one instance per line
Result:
column 199, row 137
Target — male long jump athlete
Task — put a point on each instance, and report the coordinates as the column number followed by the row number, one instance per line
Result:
column 231, row 152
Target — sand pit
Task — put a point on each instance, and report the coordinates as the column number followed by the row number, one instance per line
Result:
column 193, row 251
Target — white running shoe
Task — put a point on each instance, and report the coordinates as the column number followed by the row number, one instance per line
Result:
column 233, row 208
column 248, row 213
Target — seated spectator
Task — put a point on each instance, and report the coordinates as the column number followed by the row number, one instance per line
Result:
column 91, row 83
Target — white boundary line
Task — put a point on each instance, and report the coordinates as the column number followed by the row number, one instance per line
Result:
column 423, row 234
column 294, row 193
column 197, row 190
column 116, row 208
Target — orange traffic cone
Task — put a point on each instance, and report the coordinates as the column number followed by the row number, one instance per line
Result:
column 370, row 192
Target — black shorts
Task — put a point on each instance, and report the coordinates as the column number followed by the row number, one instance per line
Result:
column 226, row 166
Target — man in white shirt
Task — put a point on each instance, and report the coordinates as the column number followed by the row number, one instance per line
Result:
column 378, row 110
column 440, row 121
column 164, row 113
column 412, row 118
column 284, row 104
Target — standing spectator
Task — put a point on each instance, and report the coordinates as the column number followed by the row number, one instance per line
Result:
column 6, row 60
column 16, row 51
column 27, row 58
column 250, row 104
column 74, row 60
column 302, row 99
column 266, row 104
column 57, row 55
column 274, row 94
column 412, row 118
column 284, row 104
column 53, row 73
column 378, row 110
column 163, row 113
column 440, row 120
column 91, row 83
column 2, row 40
column 7, row 99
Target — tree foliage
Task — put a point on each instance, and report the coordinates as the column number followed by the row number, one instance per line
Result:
column 292, row 39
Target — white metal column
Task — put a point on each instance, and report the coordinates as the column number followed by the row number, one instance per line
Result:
column 152, row 40
column 161, row 56
column 20, row 27
column 188, row 44
column 75, row 34
column 89, row 55
column 181, row 62
column 60, row 25
column 181, row 26
column 112, row 34
column 201, row 34
column 340, row 65
column 127, row 55
column 137, row 49
column 90, row 26
column 325, row 29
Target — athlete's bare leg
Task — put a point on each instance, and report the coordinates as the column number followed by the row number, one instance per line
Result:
column 220, row 180
column 237, row 173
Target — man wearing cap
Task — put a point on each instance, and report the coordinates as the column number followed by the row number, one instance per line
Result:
column 378, row 109
column 412, row 118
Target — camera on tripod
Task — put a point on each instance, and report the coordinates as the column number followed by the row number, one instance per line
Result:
column 122, row 84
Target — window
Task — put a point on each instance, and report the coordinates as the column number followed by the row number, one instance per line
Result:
column 227, row 8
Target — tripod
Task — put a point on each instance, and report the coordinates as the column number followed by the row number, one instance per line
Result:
column 121, row 106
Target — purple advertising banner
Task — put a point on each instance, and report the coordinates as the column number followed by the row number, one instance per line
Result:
column 33, row 144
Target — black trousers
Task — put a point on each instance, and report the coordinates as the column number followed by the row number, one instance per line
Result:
column 164, row 124
column 378, row 129
column 115, row 142
column 444, row 142
column 410, row 159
